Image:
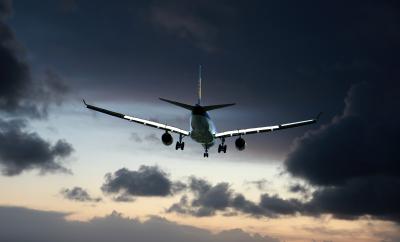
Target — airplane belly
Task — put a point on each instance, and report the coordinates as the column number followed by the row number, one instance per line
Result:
column 201, row 130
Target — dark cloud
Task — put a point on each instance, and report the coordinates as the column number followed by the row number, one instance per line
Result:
column 191, row 21
column 5, row 9
column 298, row 188
column 279, row 206
column 78, row 194
column 147, row 181
column 374, row 197
column 69, row 6
column 209, row 199
column 22, row 98
column 21, row 224
column 241, row 204
column 353, row 160
column 21, row 150
column 19, row 93
column 123, row 198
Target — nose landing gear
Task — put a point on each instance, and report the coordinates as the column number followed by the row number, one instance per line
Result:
column 222, row 146
column 206, row 152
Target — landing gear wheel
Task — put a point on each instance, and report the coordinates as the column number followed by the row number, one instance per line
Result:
column 206, row 155
column 221, row 147
column 179, row 145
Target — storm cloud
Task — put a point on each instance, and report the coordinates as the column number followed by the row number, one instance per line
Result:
column 147, row 181
column 20, row 93
column 353, row 160
column 21, row 224
column 21, row 99
column 78, row 194
column 21, row 150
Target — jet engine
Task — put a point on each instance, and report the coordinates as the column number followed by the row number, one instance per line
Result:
column 240, row 143
column 167, row 138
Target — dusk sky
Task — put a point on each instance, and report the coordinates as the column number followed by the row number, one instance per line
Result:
column 70, row 174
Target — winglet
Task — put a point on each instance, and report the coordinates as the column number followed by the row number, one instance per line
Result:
column 84, row 102
column 318, row 116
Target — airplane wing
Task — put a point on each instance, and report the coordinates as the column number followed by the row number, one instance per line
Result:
column 239, row 132
column 138, row 120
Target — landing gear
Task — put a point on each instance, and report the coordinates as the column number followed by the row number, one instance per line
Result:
column 180, row 144
column 222, row 146
column 206, row 152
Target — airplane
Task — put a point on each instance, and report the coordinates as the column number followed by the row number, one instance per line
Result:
column 202, row 129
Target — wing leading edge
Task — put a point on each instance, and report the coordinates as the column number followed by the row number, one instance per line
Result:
column 138, row 120
column 266, row 128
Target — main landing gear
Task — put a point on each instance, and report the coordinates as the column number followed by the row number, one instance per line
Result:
column 222, row 146
column 180, row 144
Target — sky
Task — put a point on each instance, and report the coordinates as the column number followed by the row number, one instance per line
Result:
column 86, row 176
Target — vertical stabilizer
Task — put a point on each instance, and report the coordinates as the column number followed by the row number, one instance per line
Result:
column 199, row 87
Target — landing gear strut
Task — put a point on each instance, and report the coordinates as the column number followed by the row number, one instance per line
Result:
column 180, row 144
column 222, row 146
column 206, row 152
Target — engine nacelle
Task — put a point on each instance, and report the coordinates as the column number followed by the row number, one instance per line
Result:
column 240, row 143
column 167, row 138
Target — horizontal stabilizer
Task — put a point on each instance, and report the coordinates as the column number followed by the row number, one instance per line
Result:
column 182, row 105
column 212, row 107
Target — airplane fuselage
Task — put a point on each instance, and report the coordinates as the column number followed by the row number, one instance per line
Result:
column 202, row 129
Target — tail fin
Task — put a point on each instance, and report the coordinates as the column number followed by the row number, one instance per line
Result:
column 190, row 107
column 182, row 105
column 199, row 87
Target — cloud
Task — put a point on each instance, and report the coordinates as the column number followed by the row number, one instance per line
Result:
column 209, row 199
column 21, row 150
column 150, row 138
column 78, row 194
column 22, row 98
column 188, row 20
column 5, row 8
column 21, row 224
column 19, row 93
column 298, row 188
column 276, row 205
column 135, row 137
column 147, row 181
column 259, row 184
column 353, row 160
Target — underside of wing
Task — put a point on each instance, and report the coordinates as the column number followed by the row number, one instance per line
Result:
column 138, row 120
column 240, row 132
